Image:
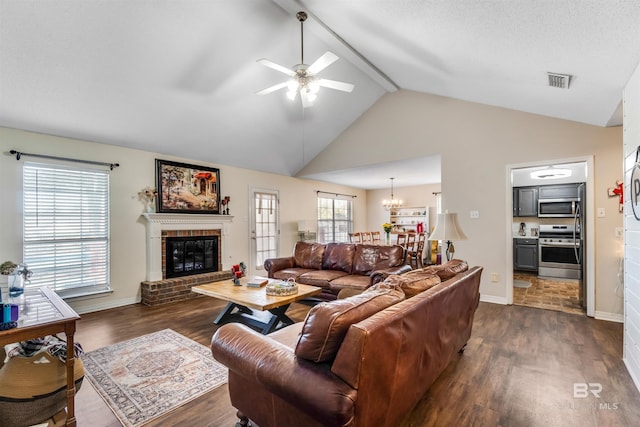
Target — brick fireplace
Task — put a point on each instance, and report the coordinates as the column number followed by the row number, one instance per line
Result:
column 157, row 288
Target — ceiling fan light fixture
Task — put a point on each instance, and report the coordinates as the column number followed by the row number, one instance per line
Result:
column 303, row 78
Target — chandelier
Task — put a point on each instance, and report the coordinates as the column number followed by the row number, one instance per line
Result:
column 393, row 203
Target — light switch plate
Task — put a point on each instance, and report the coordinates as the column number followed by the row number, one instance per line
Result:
column 601, row 213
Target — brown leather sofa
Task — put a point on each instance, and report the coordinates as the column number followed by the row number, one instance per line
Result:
column 365, row 360
column 336, row 266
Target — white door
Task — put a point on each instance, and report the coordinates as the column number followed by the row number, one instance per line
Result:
column 265, row 230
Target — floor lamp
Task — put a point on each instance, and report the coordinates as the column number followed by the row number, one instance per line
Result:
column 448, row 229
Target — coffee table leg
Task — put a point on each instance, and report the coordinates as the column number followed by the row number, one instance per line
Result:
column 227, row 312
column 278, row 315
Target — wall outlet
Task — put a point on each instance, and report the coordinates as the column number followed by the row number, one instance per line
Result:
column 619, row 232
column 495, row 277
column 474, row 214
column 601, row 213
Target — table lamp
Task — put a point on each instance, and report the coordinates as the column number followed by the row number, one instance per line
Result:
column 447, row 229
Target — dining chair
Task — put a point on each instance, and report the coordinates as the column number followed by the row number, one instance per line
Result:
column 355, row 237
column 402, row 239
column 415, row 256
column 366, row 237
column 375, row 237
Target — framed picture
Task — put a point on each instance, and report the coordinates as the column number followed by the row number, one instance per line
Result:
column 184, row 188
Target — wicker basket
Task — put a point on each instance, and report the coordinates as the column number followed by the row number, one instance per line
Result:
column 32, row 392
column 280, row 289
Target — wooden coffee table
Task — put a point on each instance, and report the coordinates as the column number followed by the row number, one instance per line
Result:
column 244, row 300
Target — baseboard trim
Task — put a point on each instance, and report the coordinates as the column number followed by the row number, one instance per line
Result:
column 493, row 299
column 610, row 317
column 105, row 306
column 632, row 374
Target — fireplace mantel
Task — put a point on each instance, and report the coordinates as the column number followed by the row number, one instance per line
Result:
column 156, row 223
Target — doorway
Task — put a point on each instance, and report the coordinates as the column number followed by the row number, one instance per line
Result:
column 525, row 285
column 264, row 229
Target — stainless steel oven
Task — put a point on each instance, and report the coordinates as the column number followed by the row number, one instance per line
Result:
column 560, row 251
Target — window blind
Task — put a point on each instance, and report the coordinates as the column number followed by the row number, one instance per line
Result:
column 66, row 228
column 335, row 219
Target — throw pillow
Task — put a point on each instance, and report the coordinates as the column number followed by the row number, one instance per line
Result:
column 451, row 268
column 327, row 323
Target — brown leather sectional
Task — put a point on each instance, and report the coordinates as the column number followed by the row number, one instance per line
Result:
column 336, row 266
column 365, row 360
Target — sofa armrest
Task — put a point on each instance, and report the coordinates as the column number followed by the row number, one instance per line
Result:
column 378, row 276
column 311, row 387
column 276, row 264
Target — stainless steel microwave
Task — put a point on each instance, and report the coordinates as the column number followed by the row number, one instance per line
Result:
column 558, row 208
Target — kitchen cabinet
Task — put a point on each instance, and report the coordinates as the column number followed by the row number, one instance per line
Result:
column 525, row 201
column 407, row 218
column 561, row 191
column 525, row 254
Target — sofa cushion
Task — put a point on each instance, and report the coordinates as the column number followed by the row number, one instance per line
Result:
column 327, row 323
column 309, row 255
column 368, row 258
column 449, row 269
column 350, row 281
column 339, row 256
column 413, row 282
column 321, row 278
column 291, row 273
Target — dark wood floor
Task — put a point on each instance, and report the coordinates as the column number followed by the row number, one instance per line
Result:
column 519, row 369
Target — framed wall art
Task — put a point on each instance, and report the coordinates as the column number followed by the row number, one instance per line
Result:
column 185, row 188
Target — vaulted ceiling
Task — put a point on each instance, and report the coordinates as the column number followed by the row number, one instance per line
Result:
column 179, row 77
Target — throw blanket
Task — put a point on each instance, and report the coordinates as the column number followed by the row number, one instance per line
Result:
column 51, row 344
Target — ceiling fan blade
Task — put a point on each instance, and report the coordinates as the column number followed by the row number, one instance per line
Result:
column 333, row 84
column 323, row 62
column 272, row 88
column 276, row 67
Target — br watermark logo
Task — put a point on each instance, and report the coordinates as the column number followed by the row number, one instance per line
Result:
column 582, row 390
column 589, row 391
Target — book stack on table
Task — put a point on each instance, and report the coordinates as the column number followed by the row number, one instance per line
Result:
column 257, row 282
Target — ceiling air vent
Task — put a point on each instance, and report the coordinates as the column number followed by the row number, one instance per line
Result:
column 559, row 80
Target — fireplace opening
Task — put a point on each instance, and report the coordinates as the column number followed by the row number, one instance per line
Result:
column 191, row 255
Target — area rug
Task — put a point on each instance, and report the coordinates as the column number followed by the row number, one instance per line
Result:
column 521, row 284
column 149, row 376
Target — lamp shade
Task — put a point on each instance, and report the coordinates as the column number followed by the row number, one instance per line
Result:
column 447, row 228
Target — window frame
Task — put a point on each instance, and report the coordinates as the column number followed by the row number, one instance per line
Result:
column 343, row 236
column 66, row 239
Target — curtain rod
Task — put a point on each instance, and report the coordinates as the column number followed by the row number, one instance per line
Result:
column 336, row 194
column 19, row 154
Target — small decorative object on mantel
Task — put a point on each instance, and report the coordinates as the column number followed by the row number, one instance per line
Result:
column 225, row 205
column 148, row 196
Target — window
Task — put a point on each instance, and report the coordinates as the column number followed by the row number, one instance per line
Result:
column 335, row 219
column 66, row 228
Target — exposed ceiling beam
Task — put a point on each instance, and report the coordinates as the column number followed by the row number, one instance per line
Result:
column 338, row 44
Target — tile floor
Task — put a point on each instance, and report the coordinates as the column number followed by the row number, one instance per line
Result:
column 558, row 295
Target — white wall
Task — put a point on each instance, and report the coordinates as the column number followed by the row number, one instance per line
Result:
column 476, row 143
column 631, row 232
column 136, row 171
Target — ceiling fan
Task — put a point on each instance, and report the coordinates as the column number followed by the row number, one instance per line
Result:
column 303, row 77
